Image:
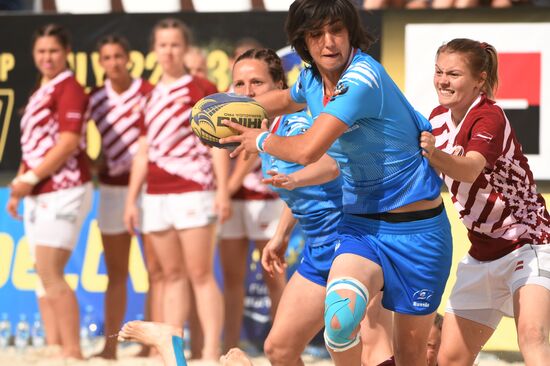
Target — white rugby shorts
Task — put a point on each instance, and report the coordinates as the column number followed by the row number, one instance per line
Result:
column 484, row 291
column 177, row 211
column 54, row 219
column 252, row 219
column 110, row 211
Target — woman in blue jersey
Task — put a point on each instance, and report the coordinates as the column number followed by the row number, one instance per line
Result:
column 394, row 234
column 314, row 199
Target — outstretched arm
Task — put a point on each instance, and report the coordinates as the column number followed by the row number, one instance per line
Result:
column 303, row 149
column 323, row 170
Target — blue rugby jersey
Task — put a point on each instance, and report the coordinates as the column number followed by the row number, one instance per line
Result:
column 317, row 208
column 379, row 155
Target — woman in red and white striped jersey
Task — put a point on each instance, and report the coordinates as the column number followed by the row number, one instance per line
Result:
column 116, row 108
column 507, row 269
column 54, row 179
column 183, row 197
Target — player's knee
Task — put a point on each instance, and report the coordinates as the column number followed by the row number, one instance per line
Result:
column 531, row 335
column 345, row 306
column 280, row 352
column 454, row 356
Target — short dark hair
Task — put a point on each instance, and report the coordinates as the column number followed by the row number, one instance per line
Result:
column 306, row 16
column 113, row 39
column 271, row 59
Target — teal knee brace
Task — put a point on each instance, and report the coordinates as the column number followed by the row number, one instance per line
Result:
column 340, row 339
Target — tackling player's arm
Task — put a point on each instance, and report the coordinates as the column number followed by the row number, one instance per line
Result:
column 461, row 168
column 302, row 149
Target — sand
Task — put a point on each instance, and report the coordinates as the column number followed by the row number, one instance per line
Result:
column 39, row 357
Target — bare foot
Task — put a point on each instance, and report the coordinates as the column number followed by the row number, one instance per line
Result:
column 157, row 335
column 235, row 357
column 145, row 351
column 105, row 354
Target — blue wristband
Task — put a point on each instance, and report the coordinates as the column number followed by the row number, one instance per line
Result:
column 260, row 140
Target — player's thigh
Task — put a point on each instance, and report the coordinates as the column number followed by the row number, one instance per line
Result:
column 51, row 262
column 116, row 248
column 167, row 249
column 233, row 256
column 198, row 245
column 299, row 315
column 376, row 333
column 462, row 338
column 362, row 269
column 412, row 330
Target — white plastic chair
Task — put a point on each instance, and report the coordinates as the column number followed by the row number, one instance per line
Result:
column 83, row 7
column 151, row 6
column 222, row 5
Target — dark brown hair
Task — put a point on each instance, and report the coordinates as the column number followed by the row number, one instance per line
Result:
column 480, row 57
column 271, row 59
column 57, row 31
column 307, row 16
column 113, row 39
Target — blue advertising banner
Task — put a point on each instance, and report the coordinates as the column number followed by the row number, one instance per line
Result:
column 87, row 275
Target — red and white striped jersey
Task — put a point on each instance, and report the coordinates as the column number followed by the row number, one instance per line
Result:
column 116, row 117
column 57, row 106
column 253, row 188
column 178, row 162
column 501, row 209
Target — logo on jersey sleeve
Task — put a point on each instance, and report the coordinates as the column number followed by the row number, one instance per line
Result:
column 340, row 89
column 484, row 136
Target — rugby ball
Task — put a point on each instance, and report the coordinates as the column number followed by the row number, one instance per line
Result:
column 209, row 112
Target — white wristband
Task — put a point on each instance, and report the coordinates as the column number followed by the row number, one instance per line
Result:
column 29, row 177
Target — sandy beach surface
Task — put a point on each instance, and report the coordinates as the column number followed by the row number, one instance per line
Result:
column 42, row 357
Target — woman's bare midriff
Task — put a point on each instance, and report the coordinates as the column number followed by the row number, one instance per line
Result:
column 419, row 205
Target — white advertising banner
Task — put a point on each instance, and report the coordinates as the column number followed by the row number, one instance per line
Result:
column 524, row 76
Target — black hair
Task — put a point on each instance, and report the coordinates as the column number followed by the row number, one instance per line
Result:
column 307, row 16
